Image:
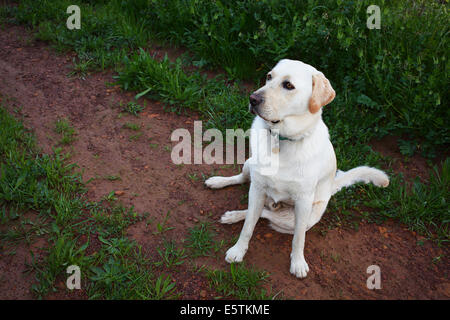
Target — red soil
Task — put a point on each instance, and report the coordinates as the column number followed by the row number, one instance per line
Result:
column 35, row 78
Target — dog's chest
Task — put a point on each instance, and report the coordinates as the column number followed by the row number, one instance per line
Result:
column 293, row 168
column 282, row 179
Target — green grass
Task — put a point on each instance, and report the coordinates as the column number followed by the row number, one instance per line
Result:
column 122, row 277
column 422, row 206
column 81, row 68
column 162, row 226
column 132, row 126
column 201, row 240
column 135, row 137
column 133, row 108
column 240, row 282
column 193, row 177
column 42, row 196
column 221, row 105
column 113, row 177
column 65, row 130
column 170, row 255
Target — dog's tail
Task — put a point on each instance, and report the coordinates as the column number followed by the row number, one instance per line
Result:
column 360, row 174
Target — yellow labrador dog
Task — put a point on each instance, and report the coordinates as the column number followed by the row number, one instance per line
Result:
column 295, row 198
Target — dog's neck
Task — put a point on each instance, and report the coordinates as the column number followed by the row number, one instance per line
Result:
column 298, row 128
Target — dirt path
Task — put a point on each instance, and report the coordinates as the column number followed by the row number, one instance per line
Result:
column 34, row 78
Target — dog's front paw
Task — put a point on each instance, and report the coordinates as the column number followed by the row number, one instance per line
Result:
column 235, row 254
column 216, row 182
column 299, row 267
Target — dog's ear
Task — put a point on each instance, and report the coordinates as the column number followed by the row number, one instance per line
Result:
column 322, row 93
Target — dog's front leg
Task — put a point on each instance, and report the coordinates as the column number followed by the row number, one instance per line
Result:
column 303, row 207
column 256, row 199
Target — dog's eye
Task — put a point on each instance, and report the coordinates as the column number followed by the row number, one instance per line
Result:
column 269, row 77
column 287, row 85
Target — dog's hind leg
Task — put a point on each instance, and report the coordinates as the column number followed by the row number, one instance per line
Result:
column 221, row 182
column 284, row 220
column 316, row 214
column 237, row 215
column 281, row 221
column 321, row 198
column 233, row 216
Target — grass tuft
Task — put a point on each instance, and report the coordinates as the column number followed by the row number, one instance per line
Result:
column 240, row 282
column 67, row 132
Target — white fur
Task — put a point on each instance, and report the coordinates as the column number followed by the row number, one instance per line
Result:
column 306, row 176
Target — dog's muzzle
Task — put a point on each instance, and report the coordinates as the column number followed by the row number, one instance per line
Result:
column 255, row 100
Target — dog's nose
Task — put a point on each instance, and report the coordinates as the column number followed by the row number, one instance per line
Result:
column 255, row 99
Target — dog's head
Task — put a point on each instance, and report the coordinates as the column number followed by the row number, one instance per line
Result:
column 294, row 92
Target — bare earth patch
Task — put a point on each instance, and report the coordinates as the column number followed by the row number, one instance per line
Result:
column 34, row 79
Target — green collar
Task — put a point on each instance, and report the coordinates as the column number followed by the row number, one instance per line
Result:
column 284, row 138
